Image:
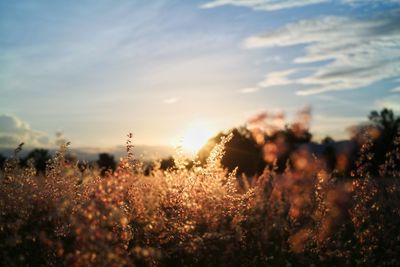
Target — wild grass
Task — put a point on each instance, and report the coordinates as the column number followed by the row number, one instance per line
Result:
column 199, row 216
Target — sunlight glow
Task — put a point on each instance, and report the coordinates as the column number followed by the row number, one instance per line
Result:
column 195, row 137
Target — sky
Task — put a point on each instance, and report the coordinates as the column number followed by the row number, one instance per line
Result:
column 96, row 70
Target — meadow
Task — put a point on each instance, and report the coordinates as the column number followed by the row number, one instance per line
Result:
column 202, row 214
column 285, row 116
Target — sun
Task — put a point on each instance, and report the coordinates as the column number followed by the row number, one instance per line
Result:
column 195, row 137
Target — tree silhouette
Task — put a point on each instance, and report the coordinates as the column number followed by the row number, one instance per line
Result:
column 388, row 126
column 106, row 162
column 167, row 163
column 40, row 157
column 327, row 140
column 241, row 151
column 329, row 157
column 293, row 135
column 2, row 160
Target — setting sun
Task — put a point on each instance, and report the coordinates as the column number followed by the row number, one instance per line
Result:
column 196, row 136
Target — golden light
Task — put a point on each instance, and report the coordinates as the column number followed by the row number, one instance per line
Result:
column 195, row 137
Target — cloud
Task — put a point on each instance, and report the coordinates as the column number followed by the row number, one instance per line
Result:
column 354, row 53
column 369, row 2
column 266, row 5
column 395, row 90
column 272, row 5
column 171, row 100
column 249, row 90
column 13, row 131
column 277, row 78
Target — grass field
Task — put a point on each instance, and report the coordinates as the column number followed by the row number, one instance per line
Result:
column 199, row 216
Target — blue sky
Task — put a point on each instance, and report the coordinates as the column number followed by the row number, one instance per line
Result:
column 96, row 70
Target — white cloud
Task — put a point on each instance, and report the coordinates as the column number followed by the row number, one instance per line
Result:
column 277, row 78
column 249, row 90
column 357, row 53
column 171, row 100
column 369, row 2
column 272, row 5
column 267, row 5
column 13, row 131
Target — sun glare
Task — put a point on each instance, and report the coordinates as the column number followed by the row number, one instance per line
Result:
column 196, row 136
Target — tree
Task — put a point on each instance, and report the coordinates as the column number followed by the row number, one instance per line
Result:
column 40, row 157
column 167, row 163
column 106, row 163
column 241, row 151
column 2, row 160
column 388, row 126
column 327, row 140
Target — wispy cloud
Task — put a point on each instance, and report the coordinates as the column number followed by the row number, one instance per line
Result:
column 13, row 131
column 171, row 100
column 395, row 90
column 359, row 52
column 277, row 78
column 249, row 90
column 272, row 5
column 267, row 5
column 369, row 2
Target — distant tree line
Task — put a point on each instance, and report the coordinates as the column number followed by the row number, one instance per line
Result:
column 40, row 157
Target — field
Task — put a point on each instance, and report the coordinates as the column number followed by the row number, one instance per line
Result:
column 200, row 215
column 200, row 133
